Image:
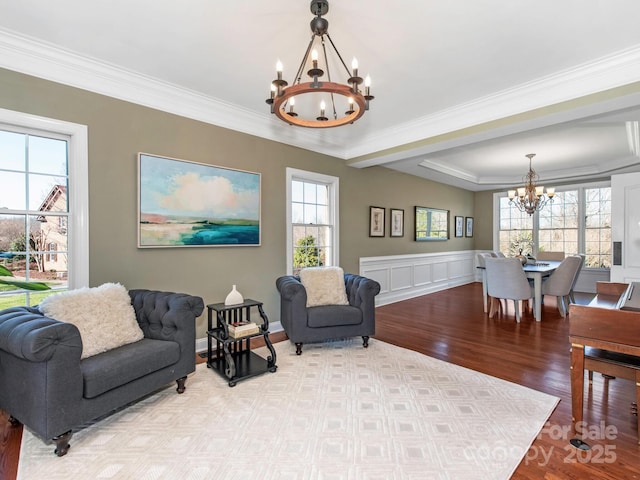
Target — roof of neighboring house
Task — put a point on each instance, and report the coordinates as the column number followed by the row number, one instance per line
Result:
column 56, row 192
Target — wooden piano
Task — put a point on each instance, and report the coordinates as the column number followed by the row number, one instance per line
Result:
column 605, row 337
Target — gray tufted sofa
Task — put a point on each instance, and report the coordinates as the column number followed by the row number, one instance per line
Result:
column 304, row 324
column 47, row 387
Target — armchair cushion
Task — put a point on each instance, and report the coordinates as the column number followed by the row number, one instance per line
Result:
column 121, row 365
column 104, row 316
column 324, row 286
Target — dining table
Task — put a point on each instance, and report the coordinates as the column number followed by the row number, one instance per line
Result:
column 535, row 271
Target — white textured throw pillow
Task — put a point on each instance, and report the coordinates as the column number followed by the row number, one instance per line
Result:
column 324, row 286
column 104, row 315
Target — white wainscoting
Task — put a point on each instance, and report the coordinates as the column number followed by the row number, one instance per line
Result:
column 406, row 276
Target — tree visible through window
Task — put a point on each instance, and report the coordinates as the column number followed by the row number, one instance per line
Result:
column 33, row 200
column 312, row 212
column 577, row 221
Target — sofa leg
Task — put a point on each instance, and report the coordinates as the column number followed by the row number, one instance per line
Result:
column 62, row 443
column 365, row 341
column 180, row 383
column 298, row 348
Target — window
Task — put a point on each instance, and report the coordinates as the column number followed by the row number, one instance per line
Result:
column 52, row 256
column 577, row 221
column 312, row 219
column 43, row 235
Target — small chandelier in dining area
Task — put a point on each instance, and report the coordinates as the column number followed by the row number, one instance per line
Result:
column 531, row 197
column 320, row 102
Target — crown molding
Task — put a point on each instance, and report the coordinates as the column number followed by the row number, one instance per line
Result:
column 44, row 60
column 619, row 69
column 34, row 57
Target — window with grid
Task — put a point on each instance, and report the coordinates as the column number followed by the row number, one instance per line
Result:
column 515, row 233
column 577, row 221
column 38, row 157
column 312, row 202
column 558, row 224
column 598, row 227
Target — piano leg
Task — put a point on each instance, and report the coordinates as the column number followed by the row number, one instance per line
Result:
column 577, row 385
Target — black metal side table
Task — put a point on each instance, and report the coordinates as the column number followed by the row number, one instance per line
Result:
column 233, row 357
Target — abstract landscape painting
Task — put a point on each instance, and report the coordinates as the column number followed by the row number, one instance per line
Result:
column 188, row 204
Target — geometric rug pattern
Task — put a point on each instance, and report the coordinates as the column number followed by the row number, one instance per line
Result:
column 337, row 412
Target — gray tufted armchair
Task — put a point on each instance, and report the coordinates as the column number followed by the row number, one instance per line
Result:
column 304, row 324
column 47, row 387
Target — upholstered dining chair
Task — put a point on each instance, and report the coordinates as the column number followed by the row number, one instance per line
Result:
column 575, row 279
column 555, row 256
column 561, row 281
column 481, row 264
column 506, row 280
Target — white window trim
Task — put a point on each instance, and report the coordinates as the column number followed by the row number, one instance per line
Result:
column 78, row 172
column 577, row 186
column 334, row 183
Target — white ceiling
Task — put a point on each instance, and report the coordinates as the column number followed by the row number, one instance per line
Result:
column 437, row 67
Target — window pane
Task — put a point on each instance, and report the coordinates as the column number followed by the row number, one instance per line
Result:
column 12, row 151
column 297, row 191
column 47, row 155
column 297, row 213
column 13, row 191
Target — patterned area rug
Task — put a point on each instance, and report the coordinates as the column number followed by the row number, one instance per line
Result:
column 337, row 412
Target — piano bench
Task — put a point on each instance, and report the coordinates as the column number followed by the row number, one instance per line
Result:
column 612, row 364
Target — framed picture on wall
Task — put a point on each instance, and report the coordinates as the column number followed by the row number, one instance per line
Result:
column 188, row 204
column 396, row 222
column 376, row 222
column 469, row 227
column 459, row 226
column 431, row 224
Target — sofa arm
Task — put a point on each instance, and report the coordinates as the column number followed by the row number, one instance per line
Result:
column 291, row 289
column 29, row 335
column 166, row 315
column 361, row 290
column 293, row 304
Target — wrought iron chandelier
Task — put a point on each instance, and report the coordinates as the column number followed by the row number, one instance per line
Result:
column 531, row 197
column 305, row 103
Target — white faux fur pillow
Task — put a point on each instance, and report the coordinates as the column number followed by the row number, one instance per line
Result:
column 324, row 286
column 104, row 315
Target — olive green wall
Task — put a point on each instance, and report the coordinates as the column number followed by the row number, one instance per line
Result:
column 483, row 223
column 118, row 130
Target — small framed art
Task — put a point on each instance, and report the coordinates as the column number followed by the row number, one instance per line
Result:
column 396, row 222
column 469, row 227
column 459, row 227
column 376, row 222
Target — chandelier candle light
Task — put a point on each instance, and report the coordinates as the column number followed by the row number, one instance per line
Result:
column 531, row 197
column 354, row 100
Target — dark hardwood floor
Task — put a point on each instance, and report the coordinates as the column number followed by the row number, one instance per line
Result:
column 451, row 326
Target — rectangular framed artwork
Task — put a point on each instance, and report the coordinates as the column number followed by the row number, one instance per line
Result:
column 459, row 226
column 189, row 204
column 376, row 222
column 396, row 222
column 469, row 227
column 431, row 224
